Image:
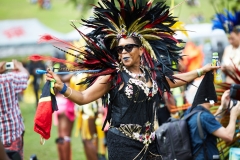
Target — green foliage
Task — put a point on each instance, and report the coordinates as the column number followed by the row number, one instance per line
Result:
column 57, row 18
column 220, row 5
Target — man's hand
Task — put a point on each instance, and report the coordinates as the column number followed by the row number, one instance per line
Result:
column 225, row 99
column 17, row 65
column 2, row 67
column 236, row 109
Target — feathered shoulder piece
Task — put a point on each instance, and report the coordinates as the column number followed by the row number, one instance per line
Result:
column 227, row 21
column 112, row 20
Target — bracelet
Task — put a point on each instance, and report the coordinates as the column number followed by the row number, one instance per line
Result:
column 199, row 72
column 69, row 94
column 64, row 89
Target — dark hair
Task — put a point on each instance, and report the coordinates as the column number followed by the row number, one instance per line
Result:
column 236, row 29
column 135, row 39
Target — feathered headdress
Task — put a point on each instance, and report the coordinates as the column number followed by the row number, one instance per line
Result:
column 153, row 25
column 227, row 21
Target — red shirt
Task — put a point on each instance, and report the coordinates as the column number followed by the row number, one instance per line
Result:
column 11, row 123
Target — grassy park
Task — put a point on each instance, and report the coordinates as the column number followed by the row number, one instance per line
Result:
column 32, row 145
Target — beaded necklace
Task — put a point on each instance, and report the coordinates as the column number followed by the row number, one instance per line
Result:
column 140, row 76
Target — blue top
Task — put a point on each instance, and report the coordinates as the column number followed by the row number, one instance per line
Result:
column 209, row 125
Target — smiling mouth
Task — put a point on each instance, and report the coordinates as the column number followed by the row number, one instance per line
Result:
column 125, row 58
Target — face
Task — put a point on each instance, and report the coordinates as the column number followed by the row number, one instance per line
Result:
column 234, row 39
column 130, row 55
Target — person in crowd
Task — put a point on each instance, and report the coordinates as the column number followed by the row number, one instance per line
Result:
column 12, row 82
column 231, row 54
column 204, row 99
column 64, row 118
column 87, row 122
column 129, row 50
column 37, row 78
column 88, row 129
column 231, row 26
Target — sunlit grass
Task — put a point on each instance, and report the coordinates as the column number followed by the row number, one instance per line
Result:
column 48, row 151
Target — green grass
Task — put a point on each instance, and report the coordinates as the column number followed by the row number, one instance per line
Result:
column 48, row 151
column 56, row 18
column 61, row 12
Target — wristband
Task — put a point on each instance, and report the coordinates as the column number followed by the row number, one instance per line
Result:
column 199, row 72
column 69, row 94
column 64, row 89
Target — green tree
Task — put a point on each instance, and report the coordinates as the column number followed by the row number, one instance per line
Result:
column 231, row 5
column 83, row 6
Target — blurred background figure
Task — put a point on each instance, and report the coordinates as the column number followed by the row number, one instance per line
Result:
column 37, row 78
column 101, row 132
column 231, row 54
column 86, row 118
column 65, row 116
column 193, row 60
column 13, row 80
column 44, row 4
column 64, row 120
column 88, row 131
column 229, row 22
column 89, row 124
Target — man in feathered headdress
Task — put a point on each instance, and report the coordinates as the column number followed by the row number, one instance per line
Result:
column 230, row 23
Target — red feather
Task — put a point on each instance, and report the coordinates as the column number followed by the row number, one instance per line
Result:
column 36, row 57
column 47, row 38
column 157, row 21
column 162, row 35
column 146, row 8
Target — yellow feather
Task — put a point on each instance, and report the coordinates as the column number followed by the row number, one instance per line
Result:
column 133, row 25
column 149, row 30
column 111, row 36
column 113, row 43
column 138, row 27
column 110, row 30
column 179, row 26
column 151, row 37
column 149, row 48
column 115, row 26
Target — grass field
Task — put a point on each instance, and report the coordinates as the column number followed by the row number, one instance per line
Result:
column 48, row 151
column 56, row 18
column 61, row 12
column 32, row 145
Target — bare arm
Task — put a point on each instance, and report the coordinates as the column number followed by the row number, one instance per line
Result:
column 66, row 78
column 227, row 134
column 97, row 90
column 190, row 76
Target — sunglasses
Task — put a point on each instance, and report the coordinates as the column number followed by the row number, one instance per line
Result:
column 127, row 48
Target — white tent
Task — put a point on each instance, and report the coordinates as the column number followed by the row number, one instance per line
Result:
column 203, row 32
column 20, row 37
column 74, row 35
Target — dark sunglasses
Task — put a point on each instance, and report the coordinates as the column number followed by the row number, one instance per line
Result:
column 127, row 48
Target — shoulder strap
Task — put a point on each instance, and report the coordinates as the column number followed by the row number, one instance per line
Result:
column 191, row 113
column 201, row 134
